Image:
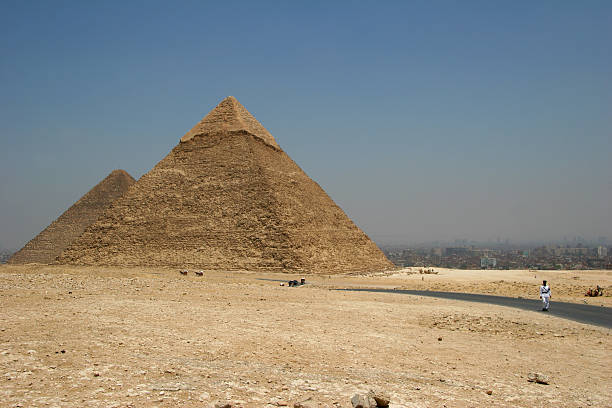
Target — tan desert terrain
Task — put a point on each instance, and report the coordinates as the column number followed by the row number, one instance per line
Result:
column 112, row 337
column 566, row 286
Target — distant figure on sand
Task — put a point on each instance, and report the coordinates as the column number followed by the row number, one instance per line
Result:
column 545, row 296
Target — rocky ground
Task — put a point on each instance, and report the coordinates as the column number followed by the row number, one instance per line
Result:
column 110, row 337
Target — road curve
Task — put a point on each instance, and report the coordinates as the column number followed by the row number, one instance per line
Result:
column 595, row 315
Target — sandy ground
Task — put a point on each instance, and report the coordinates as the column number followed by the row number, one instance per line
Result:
column 566, row 286
column 110, row 337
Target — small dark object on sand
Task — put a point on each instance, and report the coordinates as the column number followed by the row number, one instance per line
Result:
column 297, row 283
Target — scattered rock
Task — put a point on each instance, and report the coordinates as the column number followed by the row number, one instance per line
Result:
column 538, row 378
column 171, row 387
column 381, row 398
column 304, row 404
column 363, row 401
column 223, row 405
column 489, row 392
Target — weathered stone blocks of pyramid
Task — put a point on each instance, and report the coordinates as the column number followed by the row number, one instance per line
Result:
column 227, row 197
column 47, row 245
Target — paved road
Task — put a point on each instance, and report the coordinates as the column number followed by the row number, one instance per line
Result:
column 596, row 315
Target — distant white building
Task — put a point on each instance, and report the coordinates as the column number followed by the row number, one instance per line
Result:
column 602, row 251
column 487, row 262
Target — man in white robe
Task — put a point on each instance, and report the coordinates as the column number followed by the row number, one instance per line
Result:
column 545, row 295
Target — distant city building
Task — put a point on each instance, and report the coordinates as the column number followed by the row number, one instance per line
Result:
column 602, row 252
column 487, row 262
column 456, row 251
column 571, row 251
column 547, row 257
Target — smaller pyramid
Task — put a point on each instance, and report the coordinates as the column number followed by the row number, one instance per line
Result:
column 62, row 232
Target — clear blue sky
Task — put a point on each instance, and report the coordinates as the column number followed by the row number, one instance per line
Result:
column 423, row 120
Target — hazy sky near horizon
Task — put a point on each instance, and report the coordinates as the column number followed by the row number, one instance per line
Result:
column 423, row 120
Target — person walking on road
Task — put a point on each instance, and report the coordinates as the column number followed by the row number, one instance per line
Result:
column 545, row 296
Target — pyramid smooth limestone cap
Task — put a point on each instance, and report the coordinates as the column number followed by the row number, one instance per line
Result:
column 230, row 115
column 120, row 172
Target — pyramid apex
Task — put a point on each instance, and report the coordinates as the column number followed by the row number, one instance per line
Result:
column 119, row 174
column 230, row 115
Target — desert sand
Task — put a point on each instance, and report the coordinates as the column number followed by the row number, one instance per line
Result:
column 566, row 286
column 150, row 337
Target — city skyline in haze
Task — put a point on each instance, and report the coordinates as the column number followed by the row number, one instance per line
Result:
column 423, row 121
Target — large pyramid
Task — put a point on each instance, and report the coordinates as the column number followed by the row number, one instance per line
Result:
column 47, row 245
column 227, row 198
